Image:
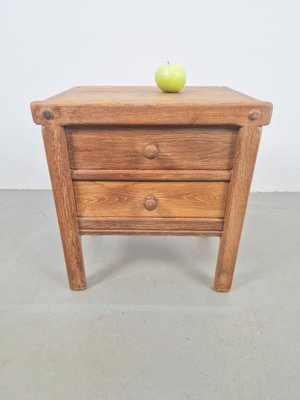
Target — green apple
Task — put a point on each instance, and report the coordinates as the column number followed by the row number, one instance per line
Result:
column 170, row 77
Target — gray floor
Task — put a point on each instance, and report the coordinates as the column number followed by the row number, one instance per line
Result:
column 149, row 326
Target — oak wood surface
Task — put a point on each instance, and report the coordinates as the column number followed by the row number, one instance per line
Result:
column 174, row 199
column 58, row 163
column 244, row 162
column 148, row 105
column 124, row 148
column 121, row 224
column 150, row 203
column 150, row 175
column 136, row 161
column 152, row 232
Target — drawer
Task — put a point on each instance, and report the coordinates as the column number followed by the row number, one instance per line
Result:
column 150, row 199
column 123, row 148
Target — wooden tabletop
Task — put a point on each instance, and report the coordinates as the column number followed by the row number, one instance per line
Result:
column 147, row 105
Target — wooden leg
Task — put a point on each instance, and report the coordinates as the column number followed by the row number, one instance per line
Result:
column 243, row 166
column 59, row 169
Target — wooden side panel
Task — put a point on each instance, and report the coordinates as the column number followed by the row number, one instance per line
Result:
column 58, row 163
column 244, row 162
column 178, row 148
column 128, row 199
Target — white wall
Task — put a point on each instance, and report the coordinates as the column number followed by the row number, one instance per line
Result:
column 49, row 46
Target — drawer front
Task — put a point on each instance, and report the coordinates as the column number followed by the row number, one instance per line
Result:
column 151, row 148
column 150, row 199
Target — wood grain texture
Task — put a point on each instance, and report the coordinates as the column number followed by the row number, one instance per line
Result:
column 126, row 224
column 124, row 148
column 136, row 161
column 149, row 106
column 244, row 162
column 152, row 232
column 58, row 163
column 174, row 199
column 150, row 175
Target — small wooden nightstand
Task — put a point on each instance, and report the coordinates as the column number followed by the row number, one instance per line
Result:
column 134, row 160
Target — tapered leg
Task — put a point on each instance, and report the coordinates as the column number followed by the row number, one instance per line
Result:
column 243, row 166
column 59, row 169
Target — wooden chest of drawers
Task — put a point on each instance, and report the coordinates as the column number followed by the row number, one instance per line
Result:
column 134, row 160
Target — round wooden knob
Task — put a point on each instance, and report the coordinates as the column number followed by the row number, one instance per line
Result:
column 150, row 203
column 254, row 114
column 47, row 114
column 151, row 151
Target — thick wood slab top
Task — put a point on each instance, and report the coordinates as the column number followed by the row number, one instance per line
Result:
column 147, row 105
